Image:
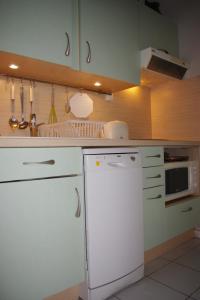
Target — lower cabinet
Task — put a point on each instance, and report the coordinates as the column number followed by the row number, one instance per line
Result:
column 161, row 222
column 154, row 212
column 41, row 223
column 181, row 217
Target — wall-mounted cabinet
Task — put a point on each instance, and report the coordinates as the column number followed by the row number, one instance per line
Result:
column 157, row 31
column 43, row 30
column 98, row 38
column 109, row 39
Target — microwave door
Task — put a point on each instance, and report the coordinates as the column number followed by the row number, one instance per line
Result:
column 176, row 180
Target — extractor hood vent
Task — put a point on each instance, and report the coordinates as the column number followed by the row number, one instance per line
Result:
column 162, row 62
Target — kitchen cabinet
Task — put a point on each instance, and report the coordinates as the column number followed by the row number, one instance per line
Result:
column 153, row 196
column 37, row 29
column 154, row 214
column 157, row 31
column 41, row 222
column 182, row 216
column 109, row 39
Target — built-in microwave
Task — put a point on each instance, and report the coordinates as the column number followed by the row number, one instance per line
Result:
column 181, row 179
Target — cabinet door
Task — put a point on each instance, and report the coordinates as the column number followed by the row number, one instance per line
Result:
column 37, row 29
column 111, row 29
column 157, row 31
column 154, row 211
column 42, row 245
column 182, row 217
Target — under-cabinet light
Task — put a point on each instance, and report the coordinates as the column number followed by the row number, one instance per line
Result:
column 13, row 66
column 97, row 83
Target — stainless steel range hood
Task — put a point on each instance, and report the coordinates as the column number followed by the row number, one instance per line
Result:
column 162, row 62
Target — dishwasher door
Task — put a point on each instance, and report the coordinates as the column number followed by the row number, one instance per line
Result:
column 114, row 216
column 41, row 238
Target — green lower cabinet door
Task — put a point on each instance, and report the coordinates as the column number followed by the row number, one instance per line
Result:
column 41, row 234
column 154, row 211
column 182, row 217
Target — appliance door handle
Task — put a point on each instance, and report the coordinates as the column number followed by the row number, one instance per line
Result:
column 68, row 48
column 88, row 59
column 157, row 197
column 45, row 162
column 187, row 209
column 156, row 156
column 156, row 176
column 116, row 165
column 78, row 210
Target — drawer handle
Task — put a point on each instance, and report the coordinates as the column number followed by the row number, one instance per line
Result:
column 157, row 197
column 156, row 176
column 45, row 162
column 78, row 210
column 156, row 156
column 187, row 209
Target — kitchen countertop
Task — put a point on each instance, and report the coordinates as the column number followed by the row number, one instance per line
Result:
column 6, row 142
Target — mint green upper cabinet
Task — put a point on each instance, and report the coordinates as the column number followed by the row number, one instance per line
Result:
column 157, row 31
column 37, row 29
column 111, row 29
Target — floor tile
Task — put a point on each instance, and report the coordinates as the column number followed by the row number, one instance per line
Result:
column 191, row 259
column 148, row 289
column 155, row 265
column 196, row 295
column 178, row 277
column 182, row 249
column 112, row 298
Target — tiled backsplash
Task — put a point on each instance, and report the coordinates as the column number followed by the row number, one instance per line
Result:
column 131, row 106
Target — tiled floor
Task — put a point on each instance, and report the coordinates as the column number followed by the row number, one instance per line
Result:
column 173, row 276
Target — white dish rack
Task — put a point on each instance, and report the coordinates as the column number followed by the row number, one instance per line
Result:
column 72, row 128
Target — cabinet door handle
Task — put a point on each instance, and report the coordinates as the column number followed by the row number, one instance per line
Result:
column 78, row 210
column 156, row 176
column 88, row 59
column 156, row 156
column 187, row 209
column 45, row 162
column 157, row 197
column 68, row 49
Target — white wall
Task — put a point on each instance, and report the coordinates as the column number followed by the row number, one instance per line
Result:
column 187, row 15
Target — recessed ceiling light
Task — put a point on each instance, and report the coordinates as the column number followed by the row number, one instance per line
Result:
column 97, row 83
column 13, row 66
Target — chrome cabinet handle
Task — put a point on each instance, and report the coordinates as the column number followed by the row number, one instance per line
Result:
column 156, row 176
column 88, row 59
column 68, row 49
column 78, row 210
column 45, row 162
column 156, row 156
column 157, row 197
column 187, row 209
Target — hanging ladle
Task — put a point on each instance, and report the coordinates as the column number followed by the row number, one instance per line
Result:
column 13, row 122
column 23, row 124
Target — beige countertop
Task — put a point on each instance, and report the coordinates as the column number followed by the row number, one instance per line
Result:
column 6, row 142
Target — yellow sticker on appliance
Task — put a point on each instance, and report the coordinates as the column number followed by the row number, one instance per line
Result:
column 97, row 163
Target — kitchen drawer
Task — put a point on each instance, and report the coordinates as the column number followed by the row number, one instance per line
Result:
column 152, row 156
column 154, row 194
column 28, row 163
column 153, row 176
column 154, row 212
column 182, row 217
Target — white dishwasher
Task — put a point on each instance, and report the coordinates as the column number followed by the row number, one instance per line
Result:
column 114, row 220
